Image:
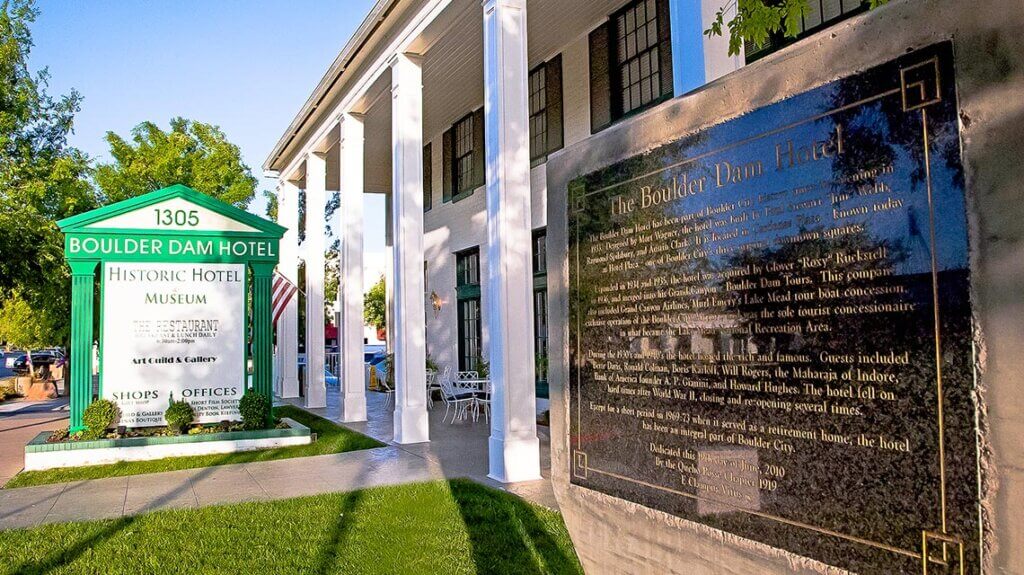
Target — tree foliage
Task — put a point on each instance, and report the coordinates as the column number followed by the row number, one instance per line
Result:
column 375, row 305
column 755, row 21
column 192, row 153
column 42, row 180
column 21, row 327
column 273, row 207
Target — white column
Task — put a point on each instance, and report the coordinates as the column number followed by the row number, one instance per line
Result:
column 389, row 275
column 350, row 289
column 288, row 324
column 314, row 246
column 411, row 424
column 514, row 450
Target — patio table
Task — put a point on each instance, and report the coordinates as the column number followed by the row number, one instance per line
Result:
column 479, row 386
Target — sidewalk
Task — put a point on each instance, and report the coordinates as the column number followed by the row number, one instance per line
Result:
column 20, row 421
column 456, row 451
column 191, row 488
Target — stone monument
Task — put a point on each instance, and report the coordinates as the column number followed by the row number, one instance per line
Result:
column 774, row 351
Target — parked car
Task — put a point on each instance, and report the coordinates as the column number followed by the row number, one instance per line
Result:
column 10, row 358
column 20, row 365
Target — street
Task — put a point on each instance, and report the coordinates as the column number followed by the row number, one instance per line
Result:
column 20, row 421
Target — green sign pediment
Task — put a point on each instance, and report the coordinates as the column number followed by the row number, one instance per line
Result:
column 175, row 223
column 176, row 208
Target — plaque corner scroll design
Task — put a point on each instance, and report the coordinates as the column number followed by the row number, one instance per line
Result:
column 952, row 549
column 921, row 84
column 579, row 464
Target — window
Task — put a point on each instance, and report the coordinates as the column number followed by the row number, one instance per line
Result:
column 467, row 288
column 637, row 58
column 540, row 253
column 467, row 268
column 820, row 14
column 538, row 113
column 545, row 96
column 464, row 154
column 462, row 157
column 540, row 311
column 428, row 179
column 630, row 62
column 540, row 323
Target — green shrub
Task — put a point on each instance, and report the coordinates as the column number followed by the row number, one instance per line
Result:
column 255, row 410
column 59, row 435
column 100, row 416
column 179, row 415
column 483, row 367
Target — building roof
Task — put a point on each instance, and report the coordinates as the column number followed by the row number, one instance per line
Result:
column 362, row 35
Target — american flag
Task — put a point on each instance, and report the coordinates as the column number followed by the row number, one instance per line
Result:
column 282, row 293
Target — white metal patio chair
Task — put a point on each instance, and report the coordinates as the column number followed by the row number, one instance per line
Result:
column 455, row 397
column 385, row 387
column 431, row 386
column 483, row 402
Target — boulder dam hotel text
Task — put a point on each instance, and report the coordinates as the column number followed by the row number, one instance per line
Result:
column 723, row 174
column 122, row 246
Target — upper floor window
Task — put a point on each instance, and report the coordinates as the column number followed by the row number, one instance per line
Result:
column 545, row 95
column 820, row 14
column 538, row 113
column 636, row 54
column 428, row 179
column 463, row 156
column 630, row 62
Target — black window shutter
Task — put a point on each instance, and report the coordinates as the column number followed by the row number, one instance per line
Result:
column 553, row 88
column 446, row 165
column 428, row 179
column 600, row 78
column 479, row 151
column 665, row 47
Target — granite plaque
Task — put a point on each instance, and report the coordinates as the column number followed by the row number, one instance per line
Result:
column 770, row 326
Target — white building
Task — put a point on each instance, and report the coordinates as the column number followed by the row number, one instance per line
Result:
column 451, row 108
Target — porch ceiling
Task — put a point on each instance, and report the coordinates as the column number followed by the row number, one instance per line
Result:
column 453, row 69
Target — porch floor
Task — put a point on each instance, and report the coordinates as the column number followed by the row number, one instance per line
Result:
column 454, row 450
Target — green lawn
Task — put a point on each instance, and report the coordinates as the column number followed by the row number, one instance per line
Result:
column 438, row 527
column 331, row 438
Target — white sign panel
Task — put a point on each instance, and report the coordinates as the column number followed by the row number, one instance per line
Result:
column 173, row 331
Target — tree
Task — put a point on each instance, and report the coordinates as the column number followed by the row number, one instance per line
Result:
column 21, row 326
column 42, row 180
column 192, row 153
column 272, row 205
column 375, row 305
column 332, row 279
column 754, row 21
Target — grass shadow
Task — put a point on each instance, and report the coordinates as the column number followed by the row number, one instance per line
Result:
column 62, row 557
column 327, row 558
column 510, row 536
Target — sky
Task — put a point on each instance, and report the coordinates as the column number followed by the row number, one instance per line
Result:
column 246, row 66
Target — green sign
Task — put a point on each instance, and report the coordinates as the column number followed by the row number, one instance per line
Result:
column 175, row 270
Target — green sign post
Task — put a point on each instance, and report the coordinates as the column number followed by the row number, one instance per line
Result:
column 175, row 269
